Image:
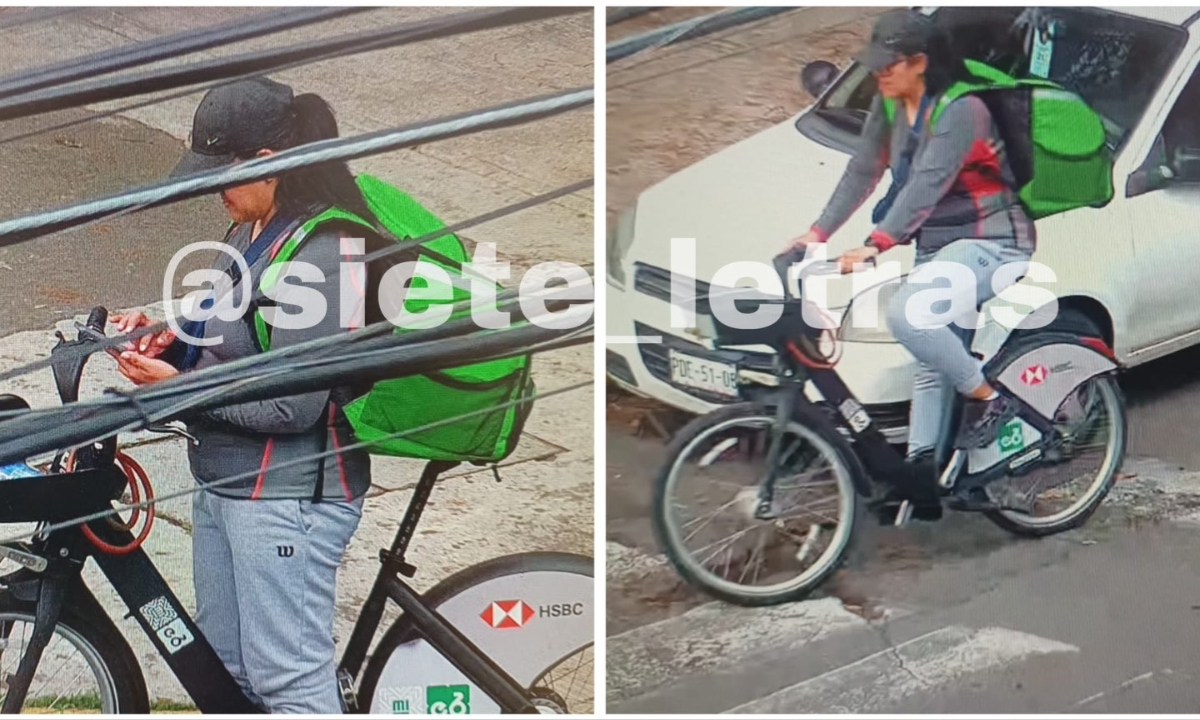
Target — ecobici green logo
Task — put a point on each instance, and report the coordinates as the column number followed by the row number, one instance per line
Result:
column 439, row 700
column 1011, row 438
column 448, row 699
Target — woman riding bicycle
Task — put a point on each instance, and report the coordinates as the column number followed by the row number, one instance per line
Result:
column 267, row 549
column 952, row 195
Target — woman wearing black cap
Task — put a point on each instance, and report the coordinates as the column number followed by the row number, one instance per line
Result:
column 267, row 549
column 952, row 194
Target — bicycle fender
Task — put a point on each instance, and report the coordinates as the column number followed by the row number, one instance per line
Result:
column 1045, row 371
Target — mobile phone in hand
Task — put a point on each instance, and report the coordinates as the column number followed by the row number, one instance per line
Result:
column 97, row 336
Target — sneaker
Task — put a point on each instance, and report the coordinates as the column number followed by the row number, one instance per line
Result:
column 983, row 419
column 918, row 486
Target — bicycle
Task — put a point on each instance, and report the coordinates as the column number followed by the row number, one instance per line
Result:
column 783, row 529
column 513, row 634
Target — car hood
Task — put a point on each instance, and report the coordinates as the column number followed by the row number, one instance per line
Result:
column 746, row 202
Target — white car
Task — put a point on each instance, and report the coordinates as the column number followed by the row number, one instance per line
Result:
column 1128, row 271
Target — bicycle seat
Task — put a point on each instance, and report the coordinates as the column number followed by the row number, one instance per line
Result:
column 59, row 497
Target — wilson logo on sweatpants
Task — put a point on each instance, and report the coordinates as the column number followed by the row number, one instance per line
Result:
column 507, row 614
column 285, row 550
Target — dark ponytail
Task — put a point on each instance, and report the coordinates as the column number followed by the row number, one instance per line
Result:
column 325, row 184
column 945, row 64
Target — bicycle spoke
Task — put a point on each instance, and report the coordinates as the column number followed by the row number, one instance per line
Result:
column 729, row 557
column 712, row 516
column 809, row 510
column 45, row 654
column 575, row 675
column 757, row 549
column 726, row 483
column 731, row 538
column 62, row 694
column 805, row 485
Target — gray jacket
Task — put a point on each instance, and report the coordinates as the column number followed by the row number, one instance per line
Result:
column 257, row 436
column 959, row 185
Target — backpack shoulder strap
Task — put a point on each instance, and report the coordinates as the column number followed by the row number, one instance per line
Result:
column 286, row 251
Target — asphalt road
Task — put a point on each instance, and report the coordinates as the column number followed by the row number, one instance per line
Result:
column 951, row 617
column 948, row 617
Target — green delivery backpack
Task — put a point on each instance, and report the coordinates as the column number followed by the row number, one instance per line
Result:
column 1055, row 143
column 402, row 404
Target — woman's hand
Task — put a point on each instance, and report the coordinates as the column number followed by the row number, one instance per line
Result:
column 143, row 370
column 148, row 345
column 856, row 256
column 808, row 238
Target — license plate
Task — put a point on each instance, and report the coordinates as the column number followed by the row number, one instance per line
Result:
column 715, row 377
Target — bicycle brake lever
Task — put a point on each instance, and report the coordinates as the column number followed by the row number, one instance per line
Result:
column 172, row 430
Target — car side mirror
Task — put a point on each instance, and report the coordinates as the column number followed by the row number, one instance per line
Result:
column 817, row 76
column 1155, row 177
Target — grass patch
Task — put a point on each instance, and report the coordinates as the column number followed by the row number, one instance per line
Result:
column 90, row 703
column 168, row 706
column 73, row 703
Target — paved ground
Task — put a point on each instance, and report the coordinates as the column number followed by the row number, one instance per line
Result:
column 546, row 500
column 955, row 617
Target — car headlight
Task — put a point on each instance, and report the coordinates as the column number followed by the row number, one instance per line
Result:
column 865, row 320
column 620, row 237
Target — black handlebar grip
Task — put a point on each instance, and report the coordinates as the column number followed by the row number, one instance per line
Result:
column 783, row 261
column 98, row 318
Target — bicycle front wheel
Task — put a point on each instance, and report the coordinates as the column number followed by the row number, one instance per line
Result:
column 532, row 614
column 707, row 493
column 84, row 669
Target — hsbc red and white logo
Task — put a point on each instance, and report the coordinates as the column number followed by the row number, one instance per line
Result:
column 1034, row 375
column 507, row 614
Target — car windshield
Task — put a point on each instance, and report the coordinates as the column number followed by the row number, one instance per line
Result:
column 1113, row 61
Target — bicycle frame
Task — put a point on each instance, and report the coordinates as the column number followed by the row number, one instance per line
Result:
column 439, row 632
column 192, row 660
column 872, row 448
column 878, row 456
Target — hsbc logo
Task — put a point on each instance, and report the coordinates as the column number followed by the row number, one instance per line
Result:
column 1034, row 375
column 513, row 614
column 507, row 614
column 560, row 610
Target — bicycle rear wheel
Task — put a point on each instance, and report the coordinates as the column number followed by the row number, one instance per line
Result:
column 707, row 492
column 531, row 613
column 1065, row 488
column 84, row 669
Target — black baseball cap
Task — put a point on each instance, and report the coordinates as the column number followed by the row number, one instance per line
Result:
column 898, row 34
column 236, row 121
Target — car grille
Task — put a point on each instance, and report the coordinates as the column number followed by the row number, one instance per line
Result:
column 618, row 367
column 656, row 283
column 656, row 358
column 889, row 416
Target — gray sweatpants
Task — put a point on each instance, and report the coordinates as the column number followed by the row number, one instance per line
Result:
column 265, row 574
column 935, row 332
